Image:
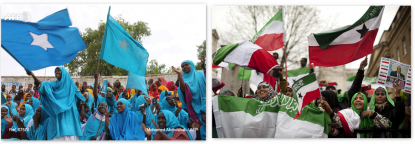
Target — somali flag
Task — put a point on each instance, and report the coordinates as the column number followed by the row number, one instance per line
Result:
column 49, row 42
column 120, row 49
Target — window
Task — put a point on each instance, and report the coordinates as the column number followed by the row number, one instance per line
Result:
column 404, row 47
column 397, row 53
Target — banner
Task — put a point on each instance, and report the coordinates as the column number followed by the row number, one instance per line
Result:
column 394, row 71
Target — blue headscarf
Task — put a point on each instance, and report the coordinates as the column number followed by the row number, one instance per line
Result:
column 111, row 103
column 89, row 103
column 26, row 118
column 149, row 115
column 91, row 85
column 35, row 103
column 173, row 123
column 183, row 115
column 203, row 127
column 163, row 95
column 4, row 123
column 93, row 126
column 132, row 103
column 126, row 125
column 59, row 99
column 41, row 132
column 196, row 81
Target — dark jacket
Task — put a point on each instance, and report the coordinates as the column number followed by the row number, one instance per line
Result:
column 395, row 114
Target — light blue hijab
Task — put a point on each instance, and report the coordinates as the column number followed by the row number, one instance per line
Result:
column 35, row 103
column 111, row 103
column 183, row 115
column 4, row 123
column 59, row 99
column 41, row 132
column 26, row 118
column 196, row 81
column 173, row 123
column 149, row 115
column 93, row 126
column 163, row 95
column 89, row 103
column 126, row 125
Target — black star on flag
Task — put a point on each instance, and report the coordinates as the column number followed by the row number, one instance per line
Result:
column 363, row 31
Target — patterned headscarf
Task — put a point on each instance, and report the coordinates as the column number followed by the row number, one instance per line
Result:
column 271, row 92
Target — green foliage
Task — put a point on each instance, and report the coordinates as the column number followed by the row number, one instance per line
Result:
column 86, row 62
column 201, row 52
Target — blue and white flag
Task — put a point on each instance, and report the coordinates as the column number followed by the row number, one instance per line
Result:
column 120, row 49
column 49, row 42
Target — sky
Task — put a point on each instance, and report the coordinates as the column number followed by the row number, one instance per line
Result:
column 176, row 29
column 346, row 15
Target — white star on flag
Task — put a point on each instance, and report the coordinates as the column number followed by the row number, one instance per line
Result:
column 123, row 44
column 41, row 40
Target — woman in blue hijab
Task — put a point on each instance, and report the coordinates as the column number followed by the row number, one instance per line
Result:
column 37, row 129
column 111, row 102
column 4, row 112
column 170, row 128
column 125, row 125
column 145, row 113
column 21, row 121
column 192, row 84
column 163, row 95
column 182, row 116
column 95, row 126
column 59, row 98
column 11, row 104
column 89, row 100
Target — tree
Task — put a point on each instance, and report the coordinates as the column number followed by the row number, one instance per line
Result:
column 153, row 67
column 86, row 62
column 201, row 49
column 299, row 22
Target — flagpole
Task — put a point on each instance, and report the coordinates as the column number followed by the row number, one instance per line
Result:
column 243, row 76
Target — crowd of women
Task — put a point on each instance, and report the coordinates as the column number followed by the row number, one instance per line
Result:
column 65, row 110
column 376, row 115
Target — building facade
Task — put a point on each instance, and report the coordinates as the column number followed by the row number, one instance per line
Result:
column 395, row 43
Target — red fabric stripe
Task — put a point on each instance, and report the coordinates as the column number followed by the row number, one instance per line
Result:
column 385, row 62
column 381, row 82
column 345, row 125
column 308, row 97
column 408, row 83
column 384, row 68
column 332, row 83
column 270, row 79
column 382, row 75
column 335, row 55
column 215, row 66
column 271, row 42
column 218, row 87
column 409, row 76
column 262, row 61
column 407, row 91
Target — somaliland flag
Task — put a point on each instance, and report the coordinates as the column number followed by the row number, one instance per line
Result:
column 271, row 36
column 305, row 90
column 296, row 74
column 255, row 77
column 246, row 54
column 346, row 44
column 249, row 118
